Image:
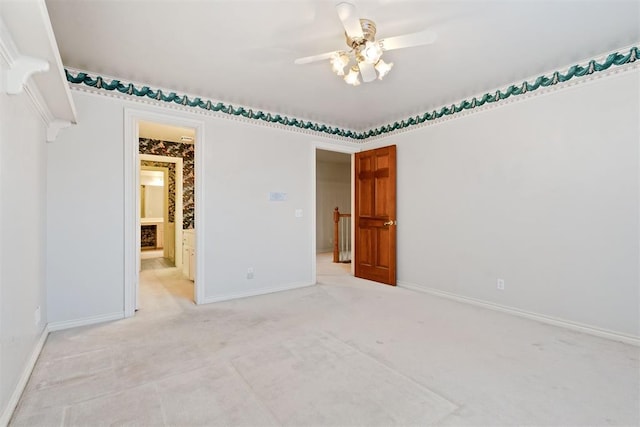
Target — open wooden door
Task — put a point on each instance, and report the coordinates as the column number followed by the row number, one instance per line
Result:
column 375, row 215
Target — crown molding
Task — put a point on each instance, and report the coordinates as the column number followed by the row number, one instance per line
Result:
column 609, row 64
column 20, row 70
column 55, row 127
column 16, row 78
column 8, row 49
column 39, row 72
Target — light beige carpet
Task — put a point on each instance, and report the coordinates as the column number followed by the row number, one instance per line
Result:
column 345, row 352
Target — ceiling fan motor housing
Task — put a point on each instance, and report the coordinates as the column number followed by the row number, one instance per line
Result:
column 368, row 31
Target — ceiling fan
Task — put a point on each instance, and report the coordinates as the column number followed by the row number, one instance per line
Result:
column 365, row 51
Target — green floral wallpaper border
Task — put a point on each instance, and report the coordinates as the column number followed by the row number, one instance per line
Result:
column 614, row 59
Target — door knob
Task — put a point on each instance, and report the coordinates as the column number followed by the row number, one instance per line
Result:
column 390, row 223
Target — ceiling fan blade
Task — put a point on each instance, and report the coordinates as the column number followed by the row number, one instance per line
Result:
column 350, row 20
column 408, row 40
column 314, row 58
column 367, row 71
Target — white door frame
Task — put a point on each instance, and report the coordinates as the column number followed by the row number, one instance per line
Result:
column 132, row 200
column 348, row 149
column 165, row 205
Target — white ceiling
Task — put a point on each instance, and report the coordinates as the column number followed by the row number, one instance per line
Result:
column 241, row 52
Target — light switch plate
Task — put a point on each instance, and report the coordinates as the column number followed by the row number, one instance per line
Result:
column 275, row 196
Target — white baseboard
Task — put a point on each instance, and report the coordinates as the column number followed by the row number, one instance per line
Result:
column 66, row 324
column 592, row 330
column 24, row 378
column 253, row 293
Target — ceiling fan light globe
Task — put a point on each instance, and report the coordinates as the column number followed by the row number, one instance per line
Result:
column 352, row 77
column 371, row 52
column 383, row 68
column 338, row 69
column 338, row 62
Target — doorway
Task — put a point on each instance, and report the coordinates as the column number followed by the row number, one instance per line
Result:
column 333, row 200
column 167, row 155
column 372, row 223
column 173, row 146
column 157, row 215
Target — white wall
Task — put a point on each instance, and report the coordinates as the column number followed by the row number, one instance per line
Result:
column 243, row 228
column 542, row 193
column 242, row 164
column 22, row 238
column 333, row 188
column 85, row 218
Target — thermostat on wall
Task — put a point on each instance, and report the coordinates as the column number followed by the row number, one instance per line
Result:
column 277, row 197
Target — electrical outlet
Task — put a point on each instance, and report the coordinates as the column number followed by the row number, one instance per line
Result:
column 37, row 316
column 500, row 284
column 250, row 273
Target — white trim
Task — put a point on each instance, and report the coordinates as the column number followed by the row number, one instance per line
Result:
column 163, row 159
column 555, row 321
column 199, row 224
column 40, row 106
column 56, row 62
column 10, row 54
column 256, row 292
column 24, row 378
column 313, row 154
column 8, row 49
column 20, row 71
column 55, row 127
column 131, row 214
column 165, row 214
column 52, row 88
column 131, row 202
column 20, row 67
column 339, row 146
column 179, row 213
column 91, row 320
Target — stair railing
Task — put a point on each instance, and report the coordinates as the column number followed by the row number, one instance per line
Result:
column 341, row 236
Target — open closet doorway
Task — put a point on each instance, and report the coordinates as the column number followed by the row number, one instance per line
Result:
column 334, row 201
